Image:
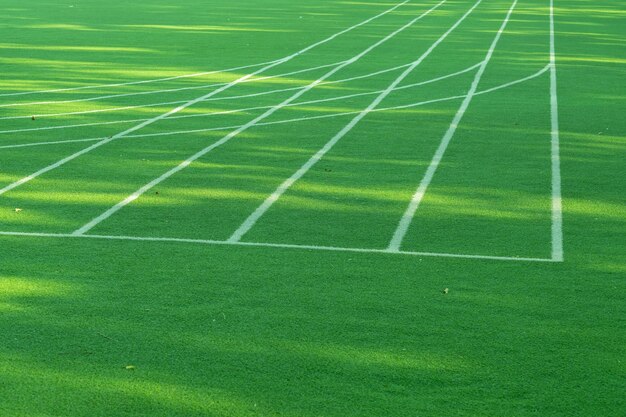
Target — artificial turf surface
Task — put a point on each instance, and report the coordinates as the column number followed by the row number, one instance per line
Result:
column 118, row 327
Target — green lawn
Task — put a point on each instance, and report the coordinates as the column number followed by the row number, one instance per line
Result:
column 252, row 208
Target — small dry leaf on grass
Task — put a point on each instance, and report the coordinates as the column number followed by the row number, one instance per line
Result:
column 17, row 210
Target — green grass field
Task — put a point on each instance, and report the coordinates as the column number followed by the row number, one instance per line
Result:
column 312, row 208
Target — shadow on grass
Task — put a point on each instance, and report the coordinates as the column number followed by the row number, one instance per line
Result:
column 294, row 333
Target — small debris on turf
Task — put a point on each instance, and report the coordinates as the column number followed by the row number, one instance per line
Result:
column 17, row 210
column 106, row 337
column 445, row 291
column 130, row 367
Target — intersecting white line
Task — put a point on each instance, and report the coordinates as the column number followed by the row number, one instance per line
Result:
column 121, row 134
column 270, row 65
column 227, row 98
column 108, row 213
column 277, row 245
column 557, row 205
column 167, row 103
column 330, row 38
column 156, row 80
column 300, row 119
column 557, row 235
column 407, row 217
column 186, row 116
column 168, row 90
column 249, row 222
column 190, row 103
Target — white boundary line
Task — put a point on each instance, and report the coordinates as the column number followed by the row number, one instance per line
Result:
column 271, row 64
column 189, row 103
column 277, row 245
column 407, row 217
column 169, row 90
column 557, row 236
column 140, row 106
column 167, row 103
column 330, row 38
column 282, row 188
column 108, row 213
column 199, row 74
column 122, row 134
column 557, row 204
column 300, row 119
column 36, row 129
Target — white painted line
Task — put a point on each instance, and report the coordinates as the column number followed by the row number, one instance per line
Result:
column 557, row 205
column 278, row 245
column 300, row 119
column 187, row 104
column 282, row 188
column 106, row 110
column 117, row 136
column 330, row 38
column 407, row 217
column 515, row 82
column 167, row 103
column 90, row 225
column 169, row 90
column 112, row 109
column 56, row 142
column 157, row 80
column 468, row 69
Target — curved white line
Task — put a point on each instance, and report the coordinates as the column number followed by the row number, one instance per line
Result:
column 308, row 48
column 132, row 197
column 300, row 119
column 170, row 90
column 156, row 80
column 140, row 106
column 246, row 109
column 287, row 184
column 204, row 97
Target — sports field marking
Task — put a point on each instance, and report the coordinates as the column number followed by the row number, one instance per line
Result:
column 169, row 90
column 85, row 228
column 192, row 102
column 56, row 142
column 268, row 92
column 278, row 245
column 114, row 137
column 262, row 209
column 330, row 38
column 156, row 80
column 444, row 77
column 74, row 113
column 557, row 205
column 407, row 217
column 300, row 119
